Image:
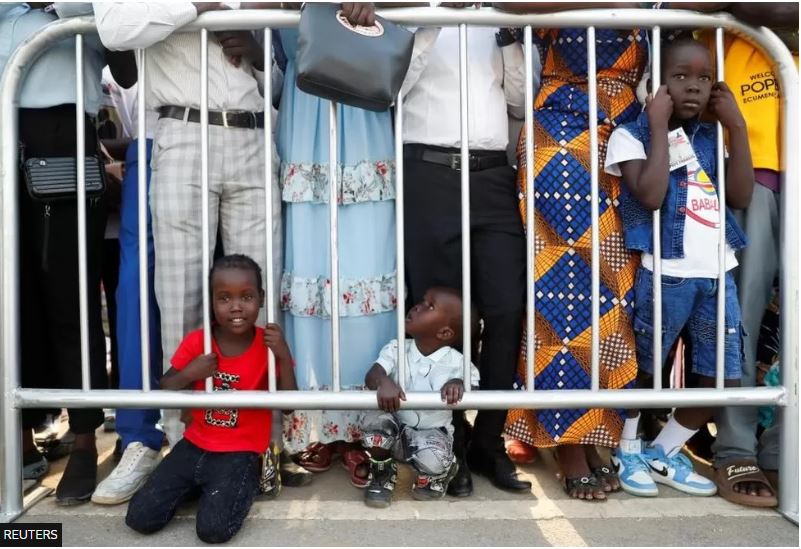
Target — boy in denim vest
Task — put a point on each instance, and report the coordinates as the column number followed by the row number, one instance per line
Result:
column 667, row 159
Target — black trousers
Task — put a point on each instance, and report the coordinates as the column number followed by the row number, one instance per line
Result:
column 226, row 483
column 433, row 258
column 49, row 302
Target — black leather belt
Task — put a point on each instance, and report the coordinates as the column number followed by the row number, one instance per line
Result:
column 452, row 158
column 228, row 119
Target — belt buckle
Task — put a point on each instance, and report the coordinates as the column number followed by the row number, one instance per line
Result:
column 225, row 119
column 254, row 120
column 456, row 161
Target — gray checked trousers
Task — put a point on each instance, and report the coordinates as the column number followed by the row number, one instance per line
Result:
column 236, row 206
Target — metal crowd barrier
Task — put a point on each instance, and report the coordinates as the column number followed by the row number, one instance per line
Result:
column 13, row 398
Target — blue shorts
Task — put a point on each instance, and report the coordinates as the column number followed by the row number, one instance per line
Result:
column 690, row 302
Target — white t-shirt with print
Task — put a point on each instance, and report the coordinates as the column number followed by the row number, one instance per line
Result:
column 426, row 374
column 702, row 221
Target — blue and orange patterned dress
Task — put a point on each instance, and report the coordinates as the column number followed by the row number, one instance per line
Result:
column 563, row 234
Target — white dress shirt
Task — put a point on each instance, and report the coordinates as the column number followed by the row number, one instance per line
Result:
column 173, row 58
column 496, row 83
column 425, row 374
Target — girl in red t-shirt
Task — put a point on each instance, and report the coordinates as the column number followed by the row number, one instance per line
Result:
column 217, row 460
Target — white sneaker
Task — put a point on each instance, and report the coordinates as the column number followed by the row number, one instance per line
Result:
column 632, row 469
column 136, row 464
column 677, row 471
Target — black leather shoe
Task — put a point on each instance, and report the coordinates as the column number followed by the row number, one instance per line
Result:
column 79, row 479
column 499, row 469
column 462, row 484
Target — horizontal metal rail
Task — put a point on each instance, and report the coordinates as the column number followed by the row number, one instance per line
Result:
column 366, row 400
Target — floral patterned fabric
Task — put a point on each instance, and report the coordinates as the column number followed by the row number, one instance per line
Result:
column 366, row 242
column 304, row 427
column 363, row 182
column 303, row 296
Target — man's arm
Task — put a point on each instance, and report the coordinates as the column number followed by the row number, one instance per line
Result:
column 514, row 78
column 72, row 9
column 552, row 7
column 776, row 15
column 424, row 39
column 132, row 25
column 122, row 65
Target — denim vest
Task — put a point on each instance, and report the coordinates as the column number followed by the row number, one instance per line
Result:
column 638, row 221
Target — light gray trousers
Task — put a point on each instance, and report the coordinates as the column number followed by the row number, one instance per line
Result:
column 759, row 265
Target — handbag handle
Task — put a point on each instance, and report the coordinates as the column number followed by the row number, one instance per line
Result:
column 376, row 30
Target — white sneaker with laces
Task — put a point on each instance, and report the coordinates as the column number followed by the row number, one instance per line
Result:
column 135, row 466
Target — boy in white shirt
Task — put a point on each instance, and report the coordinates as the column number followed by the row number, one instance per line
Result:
column 667, row 159
column 422, row 438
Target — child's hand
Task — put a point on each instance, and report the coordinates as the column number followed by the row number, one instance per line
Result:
column 659, row 107
column 453, row 391
column 389, row 395
column 202, row 367
column 274, row 339
column 723, row 106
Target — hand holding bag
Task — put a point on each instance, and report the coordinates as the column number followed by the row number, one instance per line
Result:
column 359, row 66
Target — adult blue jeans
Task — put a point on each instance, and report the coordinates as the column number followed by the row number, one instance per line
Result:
column 136, row 425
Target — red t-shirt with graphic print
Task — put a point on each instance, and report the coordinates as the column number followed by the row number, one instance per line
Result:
column 229, row 430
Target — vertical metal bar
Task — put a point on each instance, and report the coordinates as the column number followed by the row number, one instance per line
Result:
column 10, row 415
column 333, row 208
column 400, row 263
column 594, row 210
column 656, row 67
column 721, row 317
column 789, row 293
column 142, row 164
column 530, row 224
column 204, row 193
column 467, row 338
column 269, row 273
column 80, row 154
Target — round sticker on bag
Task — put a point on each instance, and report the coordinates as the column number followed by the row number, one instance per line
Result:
column 376, row 30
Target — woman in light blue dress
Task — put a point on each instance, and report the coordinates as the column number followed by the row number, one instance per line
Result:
column 366, row 253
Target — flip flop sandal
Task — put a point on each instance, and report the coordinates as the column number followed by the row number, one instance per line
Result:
column 735, row 471
column 316, row 458
column 520, row 452
column 351, row 460
column 605, row 474
column 574, row 483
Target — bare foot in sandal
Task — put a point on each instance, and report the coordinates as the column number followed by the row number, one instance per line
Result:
column 577, row 479
column 742, row 481
column 603, row 471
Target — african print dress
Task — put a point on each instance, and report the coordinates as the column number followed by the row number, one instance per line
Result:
column 563, row 323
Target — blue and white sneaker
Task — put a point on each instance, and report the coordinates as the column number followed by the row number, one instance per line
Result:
column 677, row 471
column 632, row 469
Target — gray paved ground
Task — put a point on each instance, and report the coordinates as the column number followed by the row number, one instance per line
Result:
column 330, row 512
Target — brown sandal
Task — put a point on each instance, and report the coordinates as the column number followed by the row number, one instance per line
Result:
column 316, row 458
column 735, row 471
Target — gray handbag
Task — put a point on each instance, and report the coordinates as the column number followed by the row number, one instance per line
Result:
column 359, row 66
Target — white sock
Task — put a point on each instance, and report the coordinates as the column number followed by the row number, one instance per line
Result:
column 630, row 428
column 673, row 436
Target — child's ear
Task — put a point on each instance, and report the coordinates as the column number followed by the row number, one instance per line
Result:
column 445, row 334
column 261, row 299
